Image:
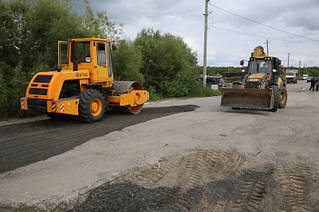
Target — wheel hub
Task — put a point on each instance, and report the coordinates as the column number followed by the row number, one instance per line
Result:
column 96, row 107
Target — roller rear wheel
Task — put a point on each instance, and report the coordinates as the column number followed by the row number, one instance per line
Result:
column 92, row 105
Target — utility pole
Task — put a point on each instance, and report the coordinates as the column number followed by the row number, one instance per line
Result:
column 299, row 64
column 299, row 71
column 288, row 59
column 267, row 43
column 304, row 68
column 205, row 44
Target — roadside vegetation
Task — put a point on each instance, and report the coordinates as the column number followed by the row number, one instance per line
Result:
column 311, row 71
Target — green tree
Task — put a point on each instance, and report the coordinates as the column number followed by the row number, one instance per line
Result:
column 212, row 71
column 99, row 24
column 3, row 97
column 51, row 21
column 127, row 61
column 29, row 31
column 169, row 65
column 16, row 88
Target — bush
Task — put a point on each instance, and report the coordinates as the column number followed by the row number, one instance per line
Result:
column 169, row 65
column 153, row 95
column 3, row 98
column 204, row 92
column 127, row 61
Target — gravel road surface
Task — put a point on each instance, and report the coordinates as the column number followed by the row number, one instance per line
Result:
column 266, row 159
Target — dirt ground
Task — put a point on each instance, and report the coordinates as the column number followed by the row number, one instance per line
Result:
column 210, row 181
column 210, row 159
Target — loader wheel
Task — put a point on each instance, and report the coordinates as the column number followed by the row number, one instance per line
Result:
column 283, row 98
column 276, row 98
column 92, row 105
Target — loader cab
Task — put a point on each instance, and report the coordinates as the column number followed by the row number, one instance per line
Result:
column 91, row 54
column 260, row 66
column 269, row 65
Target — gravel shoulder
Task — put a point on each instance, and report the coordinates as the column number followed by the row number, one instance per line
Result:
column 288, row 136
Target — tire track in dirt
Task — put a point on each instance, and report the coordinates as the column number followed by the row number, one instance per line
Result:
column 212, row 181
column 251, row 192
column 293, row 181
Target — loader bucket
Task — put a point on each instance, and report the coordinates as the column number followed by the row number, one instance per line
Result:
column 257, row 99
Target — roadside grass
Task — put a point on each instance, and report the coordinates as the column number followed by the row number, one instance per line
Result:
column 20, row 115
column 196, row 92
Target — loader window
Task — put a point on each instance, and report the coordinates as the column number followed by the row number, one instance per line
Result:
column 260, row 66
column 101, row 54
column 81, row 52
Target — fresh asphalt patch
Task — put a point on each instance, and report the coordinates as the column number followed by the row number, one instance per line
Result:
column 26, row 143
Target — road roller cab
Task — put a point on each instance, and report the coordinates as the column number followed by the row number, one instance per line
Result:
column 83, row 83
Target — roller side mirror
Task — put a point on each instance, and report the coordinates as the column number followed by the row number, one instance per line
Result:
column 114, row 46
column 58, row 68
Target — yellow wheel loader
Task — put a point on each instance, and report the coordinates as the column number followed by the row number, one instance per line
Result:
column 263, row 86
column 83, row 84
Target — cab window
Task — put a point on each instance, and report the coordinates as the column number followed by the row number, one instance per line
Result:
column 109, row 59
column 259, row 66
column 81, row 52
column 63, row 48
column 101, row 54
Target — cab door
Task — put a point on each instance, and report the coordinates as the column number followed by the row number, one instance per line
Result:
column 102, row 66
column 63, row 54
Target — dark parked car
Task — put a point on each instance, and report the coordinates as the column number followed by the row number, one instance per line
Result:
column 215, row 80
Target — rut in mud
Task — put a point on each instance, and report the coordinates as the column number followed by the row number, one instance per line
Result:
column 210, row 181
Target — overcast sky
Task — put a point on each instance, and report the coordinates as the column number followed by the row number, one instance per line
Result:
column 225, row 48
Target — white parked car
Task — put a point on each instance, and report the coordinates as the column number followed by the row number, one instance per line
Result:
column 305, row 76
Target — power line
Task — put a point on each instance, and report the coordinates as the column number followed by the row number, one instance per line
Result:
column 265, row 25
column 252, row 35
column 243, row 33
